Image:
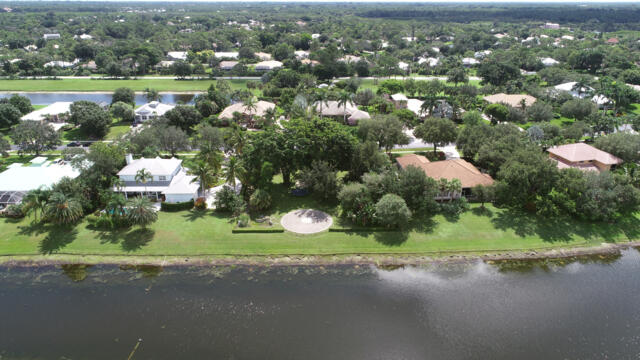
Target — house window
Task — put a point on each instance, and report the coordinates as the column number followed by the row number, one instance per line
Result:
column 162, row 178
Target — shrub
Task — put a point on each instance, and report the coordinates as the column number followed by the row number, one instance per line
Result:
column 228, row 201
column 260, row 200
column 187, row 205
column 200, row 204
column 14, row 211
column 455, row 207
column 391, row 211
column 243, row 220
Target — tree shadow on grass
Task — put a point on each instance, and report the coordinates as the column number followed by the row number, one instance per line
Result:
column 57, row 238
column 193, row 215
column 563, row 228
column 136, row 239
column 391, row 238
column 482, row 211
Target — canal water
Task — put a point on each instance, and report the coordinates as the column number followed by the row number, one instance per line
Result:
column 51, row 97
column 586, row 308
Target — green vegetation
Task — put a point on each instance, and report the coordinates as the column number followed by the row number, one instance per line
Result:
column 60, row 85
column 208, row 233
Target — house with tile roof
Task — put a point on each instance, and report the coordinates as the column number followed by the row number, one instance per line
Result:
column 582, row 156
column 468, row 175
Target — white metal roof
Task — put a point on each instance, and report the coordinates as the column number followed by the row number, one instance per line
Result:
column 154, row 108
column 59, row 107
column 157, row 166
column 25, row 178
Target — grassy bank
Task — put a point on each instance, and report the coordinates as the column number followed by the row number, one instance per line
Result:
column 191, row 233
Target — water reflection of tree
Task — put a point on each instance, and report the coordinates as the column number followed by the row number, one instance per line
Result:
column 75, row 272
column 546, row 265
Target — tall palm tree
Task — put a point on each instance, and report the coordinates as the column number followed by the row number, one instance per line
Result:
column 205, row 174
column 429, row 103
column 140, row 211
column 322, row 97
column 344, row 98
column 143, row 176
column 454, row 187
column 213, row 157
column 63, row 210
column 35, row 201
column 251, row 105
column 231, row 170
column 238, row 139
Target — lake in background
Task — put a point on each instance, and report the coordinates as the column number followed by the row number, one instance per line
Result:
column 586, row 309
column 51, row 97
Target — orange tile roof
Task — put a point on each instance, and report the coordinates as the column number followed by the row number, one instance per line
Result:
column 459, row 169
column 513, row 100
column 583, row 152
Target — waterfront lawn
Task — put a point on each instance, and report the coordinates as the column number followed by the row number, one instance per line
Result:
column 191, row 233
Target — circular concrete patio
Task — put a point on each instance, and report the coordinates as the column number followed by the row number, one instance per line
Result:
column 306, row 221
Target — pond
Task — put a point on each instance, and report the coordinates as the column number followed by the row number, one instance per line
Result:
column 581, row 309
column 40, row 98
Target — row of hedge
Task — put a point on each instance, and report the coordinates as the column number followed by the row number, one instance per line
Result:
column 256, row 231
column 363, row 229
column 187, row 205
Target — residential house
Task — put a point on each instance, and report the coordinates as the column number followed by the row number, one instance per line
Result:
column 583, row 92
column 334, row 109
column 301, row 54
column 151, row 110
column 55, row 114
column 582, row 156
column 481, row 54
column 552, row 26
column 249, row 114
column 468, row 175
column 513, row 100
column 169, row 180
column 51, row 36
column 613, row 41
column 268, row 65
column 83, row 37
column 60, row 64
column 263, row 56
column 399, row 100
column 177, row 55
column 431, row 61
column 403, row 66
column 468, row 62
column 549, row 61
column 309, row 62
column 227, row 65
column 18, row 180
column 350, row 59
column 226, row 55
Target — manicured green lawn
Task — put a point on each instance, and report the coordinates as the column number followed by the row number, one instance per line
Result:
column 109, row 85
column 189, row 233
column 117, row 130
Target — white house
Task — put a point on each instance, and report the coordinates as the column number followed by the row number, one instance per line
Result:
column 268, row 65
column 227, row 65
column 18, row 179
column 481, row 54
column 553, row 26
column 549, row 61
column 177, row 55
column 263, row 56
column 55, row 114
column 168, row 179
column 225, row 55
column 83, row 37
column 582, row 93
column 51, row 36
column 469, row 62
column 151, row 110
column 60, row 64
column 301, row 54
column 431, row 61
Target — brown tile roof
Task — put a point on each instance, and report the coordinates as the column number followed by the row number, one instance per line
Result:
column 512, row 100
column 459, row 169
column 583, row 152
column 412, row 159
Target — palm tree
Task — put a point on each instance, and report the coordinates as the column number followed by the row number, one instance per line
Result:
column 140, row 211
column 322, row 97
column 63, row 210
column 116, row 204
column 213, row 157
column 251, row 105
column 35, row 201
column 269, row 116
column 429, row 103
column 143, row 176
column 454, row 187
column 443, row 186
column 205, row 174
column 344, row 98
column 231, row 170
column 238, row 139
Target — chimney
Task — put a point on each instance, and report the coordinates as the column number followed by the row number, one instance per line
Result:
column 129, row 158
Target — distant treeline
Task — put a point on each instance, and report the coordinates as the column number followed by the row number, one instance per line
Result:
column 464, row 14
